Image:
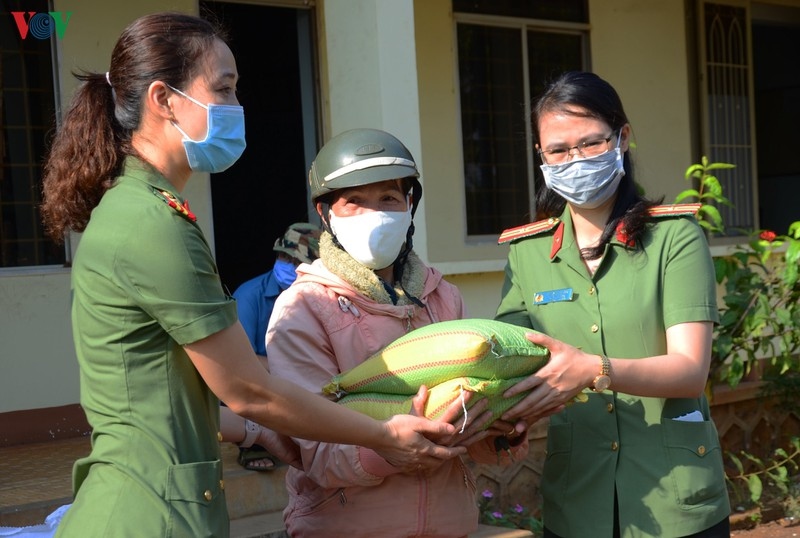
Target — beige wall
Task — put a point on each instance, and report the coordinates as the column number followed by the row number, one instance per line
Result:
column 39, row 367
column 640, row 48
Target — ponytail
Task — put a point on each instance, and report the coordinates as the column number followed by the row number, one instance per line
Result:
column 85, row 156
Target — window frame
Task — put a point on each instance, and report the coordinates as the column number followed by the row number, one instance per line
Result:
column 46, row 268
column 706, row 141
column 524, row 26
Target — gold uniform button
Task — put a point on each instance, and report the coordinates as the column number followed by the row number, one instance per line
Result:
column 595, row 328
column 610, row 407
column 701, row 450
column 208, row 495
column 591, row 290
column 614, row 446
column 222, row 485
column 219, row 436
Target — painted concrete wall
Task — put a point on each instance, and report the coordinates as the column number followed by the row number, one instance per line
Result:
column 369, row 75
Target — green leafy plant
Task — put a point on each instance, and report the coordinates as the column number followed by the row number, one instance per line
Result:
column 708, row 192
column 777, row 471
column 760, row 318
column 514, row 517
column 759, row 324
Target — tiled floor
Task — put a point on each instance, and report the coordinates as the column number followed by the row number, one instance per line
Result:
column 35, row 479
column 39, row 472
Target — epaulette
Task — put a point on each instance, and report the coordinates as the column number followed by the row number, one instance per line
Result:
column 172, row 201
column 673, row 210
column 527, row 230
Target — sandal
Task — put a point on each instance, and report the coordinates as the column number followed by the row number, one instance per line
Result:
column 256, row 458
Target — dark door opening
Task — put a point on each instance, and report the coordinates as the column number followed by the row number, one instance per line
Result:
column 258, row 197
column 777, row 105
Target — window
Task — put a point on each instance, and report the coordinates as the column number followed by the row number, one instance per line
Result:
column 27, row 116
column 750, row 96
column 507, row 51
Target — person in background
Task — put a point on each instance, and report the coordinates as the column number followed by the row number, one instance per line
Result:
column 367, row 289
column 255, row 299
column 157, row 339
column 623, row 290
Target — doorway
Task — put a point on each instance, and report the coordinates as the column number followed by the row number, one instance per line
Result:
column 776, row 81
column 266, row 190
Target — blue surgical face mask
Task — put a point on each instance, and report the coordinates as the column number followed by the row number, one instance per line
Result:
column 587, row 183
column 284, row 273
column 224, row 141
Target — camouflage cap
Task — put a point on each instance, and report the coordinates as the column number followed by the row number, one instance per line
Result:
column 300, row 241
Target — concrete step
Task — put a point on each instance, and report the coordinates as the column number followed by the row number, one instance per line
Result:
column 37, row 480
column 271, row 526
column 252, row 492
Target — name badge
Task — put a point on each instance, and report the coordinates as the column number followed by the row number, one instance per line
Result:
column 552, row 296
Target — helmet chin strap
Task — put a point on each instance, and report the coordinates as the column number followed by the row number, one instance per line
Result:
column 400, row 265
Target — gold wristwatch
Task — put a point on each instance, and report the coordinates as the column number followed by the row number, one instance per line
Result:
column 602, row 381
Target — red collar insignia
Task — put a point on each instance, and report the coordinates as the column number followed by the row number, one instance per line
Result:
column 175, row 204
column 623, row 238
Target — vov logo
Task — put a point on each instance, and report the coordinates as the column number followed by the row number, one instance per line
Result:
column 42, row 25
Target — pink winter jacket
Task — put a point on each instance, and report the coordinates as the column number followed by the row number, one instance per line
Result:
column 322, row 326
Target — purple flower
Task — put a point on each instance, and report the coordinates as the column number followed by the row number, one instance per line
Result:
column 497, row 515
column 487, row 494
column 518, row 508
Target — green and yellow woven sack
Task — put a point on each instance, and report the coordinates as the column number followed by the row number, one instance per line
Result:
column 478, row 355
column 440, row 397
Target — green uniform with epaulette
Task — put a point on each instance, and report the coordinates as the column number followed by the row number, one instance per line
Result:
column 145, row 284
column 668, row 473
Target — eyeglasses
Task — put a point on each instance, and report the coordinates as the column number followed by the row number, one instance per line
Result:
column 590, row 148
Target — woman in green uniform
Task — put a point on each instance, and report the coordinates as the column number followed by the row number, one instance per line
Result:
column 157, row 338
column 623, row 290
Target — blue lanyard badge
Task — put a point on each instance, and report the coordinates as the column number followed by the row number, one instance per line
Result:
column 552, row 296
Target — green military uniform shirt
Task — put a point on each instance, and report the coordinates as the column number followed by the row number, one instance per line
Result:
column 668, row 474
column 144, row 284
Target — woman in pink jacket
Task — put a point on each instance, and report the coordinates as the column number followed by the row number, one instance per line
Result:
column 367, row 289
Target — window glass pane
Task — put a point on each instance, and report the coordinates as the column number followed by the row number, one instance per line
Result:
column 27, row 115
column 554, row 10
column 12, row 67
column 493, row 128
column 549, row 55
column 728, row 120
column 496, row 143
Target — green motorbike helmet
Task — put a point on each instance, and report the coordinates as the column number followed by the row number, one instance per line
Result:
column 360, row 157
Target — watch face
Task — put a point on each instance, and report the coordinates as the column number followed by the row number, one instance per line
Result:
column 601, row 383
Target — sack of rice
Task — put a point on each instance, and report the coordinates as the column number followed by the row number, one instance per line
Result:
column 483, row 356
column 477, row 348
column 440, row 397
